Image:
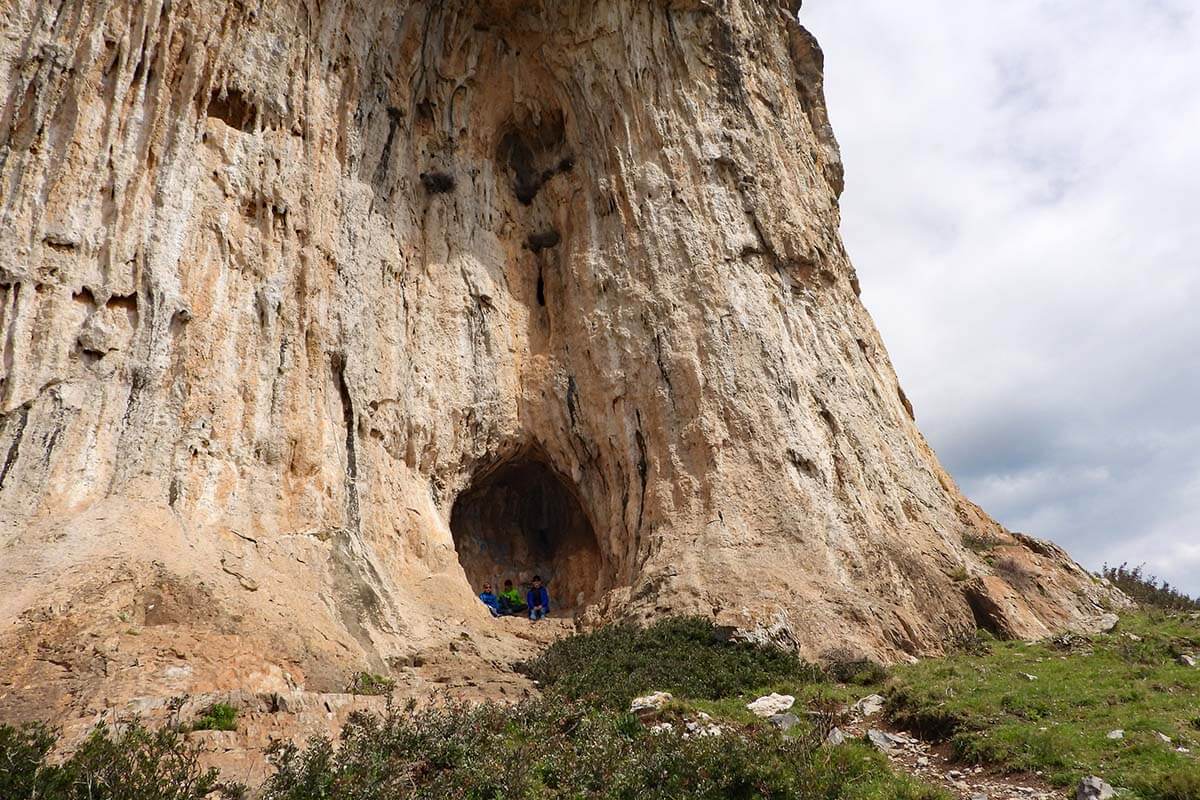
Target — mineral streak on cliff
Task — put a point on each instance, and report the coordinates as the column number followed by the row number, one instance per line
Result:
column 288, row 288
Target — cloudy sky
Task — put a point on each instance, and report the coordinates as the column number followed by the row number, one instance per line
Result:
column 1023, row 207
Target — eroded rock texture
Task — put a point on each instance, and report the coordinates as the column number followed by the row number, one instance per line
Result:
column 280, row 282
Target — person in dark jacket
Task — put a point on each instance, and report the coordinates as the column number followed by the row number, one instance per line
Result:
column 538, row 599
column 490, row 600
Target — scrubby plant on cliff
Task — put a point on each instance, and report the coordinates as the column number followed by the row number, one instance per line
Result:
column 369, row 683
column 123, row 762
column 217, row 717
column 687, row 656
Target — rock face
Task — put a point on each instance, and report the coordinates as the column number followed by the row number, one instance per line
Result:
column 300, row 302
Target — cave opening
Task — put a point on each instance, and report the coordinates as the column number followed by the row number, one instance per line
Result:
column 523, row 519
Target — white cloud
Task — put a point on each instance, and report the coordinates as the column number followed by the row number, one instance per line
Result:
column 1021, row 203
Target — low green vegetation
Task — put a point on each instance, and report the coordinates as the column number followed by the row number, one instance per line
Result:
column 217, row 717
column 1049, row 708
column 1045, row 708
column 369, row 683
column 129, row 762
column 555, row 748
column 686, row 656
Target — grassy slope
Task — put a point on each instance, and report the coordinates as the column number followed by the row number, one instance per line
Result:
column 981, row 701
column 1058, row 724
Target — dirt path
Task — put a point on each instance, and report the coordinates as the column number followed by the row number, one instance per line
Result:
column 932, row 764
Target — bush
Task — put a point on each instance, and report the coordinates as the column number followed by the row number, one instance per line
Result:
column 218, row 717
column 1177, row 786
column 1147, row 590
column 684, row 655
column 556, row 748
column 371, row 684
column 128, row 762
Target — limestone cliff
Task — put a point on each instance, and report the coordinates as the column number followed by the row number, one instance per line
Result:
column 314, row 314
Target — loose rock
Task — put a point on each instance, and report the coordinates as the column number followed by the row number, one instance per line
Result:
column 869, row 706
column 1094, row 788
column 835, row 737
column 1117, row 734
column 771, row 704
column 882, row 740
column 785, row 722
column 647, row 708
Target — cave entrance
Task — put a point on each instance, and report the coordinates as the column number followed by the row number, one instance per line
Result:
column 523, row 519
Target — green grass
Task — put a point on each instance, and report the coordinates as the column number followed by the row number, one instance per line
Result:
column 1058, row 724
column 217, row 717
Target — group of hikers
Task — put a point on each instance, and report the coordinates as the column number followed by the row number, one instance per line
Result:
column 508, row 602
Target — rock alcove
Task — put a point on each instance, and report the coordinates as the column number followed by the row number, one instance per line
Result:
column 520, row 519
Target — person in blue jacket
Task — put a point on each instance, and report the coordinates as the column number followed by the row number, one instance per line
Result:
column 490, row 600
column 538, row 599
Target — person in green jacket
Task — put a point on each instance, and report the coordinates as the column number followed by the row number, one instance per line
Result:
column 510, row 600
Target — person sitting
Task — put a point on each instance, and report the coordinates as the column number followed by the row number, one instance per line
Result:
column 510, row 600
column 490, row 600
column 538, row 599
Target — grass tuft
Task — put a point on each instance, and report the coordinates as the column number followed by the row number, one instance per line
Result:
column 217, row 717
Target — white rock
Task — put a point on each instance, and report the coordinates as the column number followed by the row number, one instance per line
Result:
column 1093, row 788
column 835, row 737
column 771, row 705
column 1117, row 734
column 1187, row 661
column 1027, row 676
column 1107, row 622
column 1162, row 737
column 647, row 708
column 662, row 727
column 869, row 706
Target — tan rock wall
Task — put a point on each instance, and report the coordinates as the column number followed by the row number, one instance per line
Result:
column 278, row 280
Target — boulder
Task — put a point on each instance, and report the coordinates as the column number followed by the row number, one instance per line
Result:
column 1093, row 788
column 869, row 706
column 882, row 740
column 785, row 722
column 835, row 738
column 771, row 704
column 648, row 707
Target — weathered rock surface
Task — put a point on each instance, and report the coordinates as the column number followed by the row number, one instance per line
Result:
column 300, row 302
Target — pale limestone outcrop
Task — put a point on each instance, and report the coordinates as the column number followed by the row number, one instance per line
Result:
column 281, row 283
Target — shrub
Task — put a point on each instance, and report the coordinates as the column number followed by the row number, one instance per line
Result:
column 556, row 748
column 979, row 542
column 371, row 684
column 687, row 656
column 126, row 762
column 1147, row 590
column 1183, row 785
column 862, row 672
column 217, row 717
